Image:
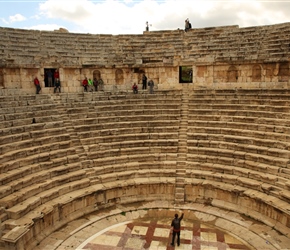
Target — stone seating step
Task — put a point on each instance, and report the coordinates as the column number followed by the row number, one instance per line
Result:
column 34, row 150
column 240, row 155
column 241, row 107
column 255, row 133
column 252, row 181
column 237, row 113
column 268, row 182
column 242, row 146
column 146, row 126
column 14, row 143
column 30, row 175
column 274, row 201
column 145, row 108
column 63, row 186
column 141, row 158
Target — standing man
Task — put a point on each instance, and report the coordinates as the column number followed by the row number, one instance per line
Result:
column 151, row 86
column 144, row 81
column 175, row 226
column 57, row 85
column 49, row 78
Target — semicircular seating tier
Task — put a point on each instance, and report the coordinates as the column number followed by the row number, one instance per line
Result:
column 68, row 155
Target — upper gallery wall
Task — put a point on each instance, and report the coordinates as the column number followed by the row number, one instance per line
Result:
column 215, row 57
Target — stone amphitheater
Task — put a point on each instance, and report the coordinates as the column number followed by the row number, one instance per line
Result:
column 109, row 169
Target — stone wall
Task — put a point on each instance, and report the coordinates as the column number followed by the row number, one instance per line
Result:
column 220, row 57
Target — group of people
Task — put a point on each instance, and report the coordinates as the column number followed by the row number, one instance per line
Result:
column 91, row 85
column 150, row 83
column 95, row 85
column 38, row 87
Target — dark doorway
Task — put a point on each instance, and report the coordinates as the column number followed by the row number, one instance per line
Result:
column 185, row 74
column 50, row 74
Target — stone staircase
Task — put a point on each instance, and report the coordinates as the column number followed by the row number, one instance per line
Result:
column 182, row 150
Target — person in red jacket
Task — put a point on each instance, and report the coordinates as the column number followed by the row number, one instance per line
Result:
column 135, row 88
column 56, row 75
column 85, row 84
column 37, row 85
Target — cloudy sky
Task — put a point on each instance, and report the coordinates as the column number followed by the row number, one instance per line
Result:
column 130, row 16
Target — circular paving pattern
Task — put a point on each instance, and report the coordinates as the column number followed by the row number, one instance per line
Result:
column 155, row 235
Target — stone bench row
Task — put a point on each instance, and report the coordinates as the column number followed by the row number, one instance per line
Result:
column 263, row 122
column 35, row 139
column 30, row 184
column 78, row 122
column 252, row 182
column 254, row 102
column 234, row 95
column 241, row 107
column 137, row 144
column 69, row 205
column 268, row 209
column 240, row 155
column 273, row 178
column 71, row 104
column 106, row 56
column 274, row 140
column 257, row 172
column 53, row 119
column 79, row 200
column 22, row 158
column 85, row 127
column 24, row 130
column 139, row 151
column 240, row 146
column 58, row 187
column 100, row 137
column 25, row 98
column 203, row 129
column 239, row 113
column 142, row 158
column 242, row 166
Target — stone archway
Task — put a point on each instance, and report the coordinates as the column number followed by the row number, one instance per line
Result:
column 119, row 76
column 283, row 71
column 96, row 74
column 232, row 74
column 256, row 73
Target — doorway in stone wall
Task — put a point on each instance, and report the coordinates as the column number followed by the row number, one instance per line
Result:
column 96, row 74
column 185, row 74
column 49, row 76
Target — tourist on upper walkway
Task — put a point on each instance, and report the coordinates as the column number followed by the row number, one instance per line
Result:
column 151, row 86
column 90, row 84
column 85, row 84
column 57, row 85
column 187, row 25
column 175, row 228
column 96, row 83
column 135, row 88
column 101, row 84
column 144, row 81
column 37, row 85
column 56, row 75
column 49, row 78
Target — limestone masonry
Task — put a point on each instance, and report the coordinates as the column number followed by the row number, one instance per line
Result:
column 219, row 57
column 213, row 141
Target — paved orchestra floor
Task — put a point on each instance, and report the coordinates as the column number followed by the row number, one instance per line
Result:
column 155, row 235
